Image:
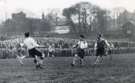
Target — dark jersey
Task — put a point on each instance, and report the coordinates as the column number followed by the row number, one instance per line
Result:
column 101, row 48
column 101, row 44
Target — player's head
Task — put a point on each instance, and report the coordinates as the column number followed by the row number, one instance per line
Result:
column 99, row 36
column 82, row 37
column 26, row 34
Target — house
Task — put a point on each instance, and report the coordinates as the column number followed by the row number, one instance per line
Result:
column 129, row 28
column 20, row 23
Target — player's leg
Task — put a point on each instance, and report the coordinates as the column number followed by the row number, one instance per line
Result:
column 97, row 55
column 48, row 54
column 97, row 60
column 100, row 53
column 103, row 54
column 33, row 55
column 43, row 54
column 75, row 58
column 36, row 61
column 20, row 60
column 53, row 54
column 38, row 53
column 82, row 57
column 81, row 60
column 39, row 58
column 79, row 53
column 101, row 59
column 20, row 57
column 110, row 54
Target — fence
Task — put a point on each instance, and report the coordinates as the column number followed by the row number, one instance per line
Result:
column 6, row 47
column 8, row 53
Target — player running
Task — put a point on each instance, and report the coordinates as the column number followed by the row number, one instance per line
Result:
column 21, row 52
column 100, row 48
column 31, row 46
column 79, row 56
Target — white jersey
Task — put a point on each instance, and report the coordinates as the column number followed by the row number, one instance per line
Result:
column 30, row 43
column 51, row 48
column 82, row 44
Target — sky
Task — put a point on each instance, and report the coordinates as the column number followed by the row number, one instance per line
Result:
column 34, row 8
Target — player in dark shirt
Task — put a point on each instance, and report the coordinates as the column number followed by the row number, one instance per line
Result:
column 100, row 48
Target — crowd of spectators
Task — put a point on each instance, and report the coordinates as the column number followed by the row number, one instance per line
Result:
column 8, row 47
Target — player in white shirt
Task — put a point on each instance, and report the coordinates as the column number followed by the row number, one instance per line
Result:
column 81, row 46
column 21, row 52
column 51, row 50
column 31, row 46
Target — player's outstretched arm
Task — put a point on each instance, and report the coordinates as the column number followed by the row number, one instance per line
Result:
column 41, row 46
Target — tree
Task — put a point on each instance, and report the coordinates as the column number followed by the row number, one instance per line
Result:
column 85, row 17
column 101, row 20
column 123, row 18
column 68, row 12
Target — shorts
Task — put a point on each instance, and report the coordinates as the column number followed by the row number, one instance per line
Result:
column 81, row 53
column 100, row 52
column 34, row 52
column 51, row 53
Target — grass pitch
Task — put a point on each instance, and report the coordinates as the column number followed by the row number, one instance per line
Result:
column 121, row 69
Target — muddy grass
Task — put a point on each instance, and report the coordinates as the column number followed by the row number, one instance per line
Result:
column 121, row 69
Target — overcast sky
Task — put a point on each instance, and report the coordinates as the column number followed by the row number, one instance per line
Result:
column 36, row 7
